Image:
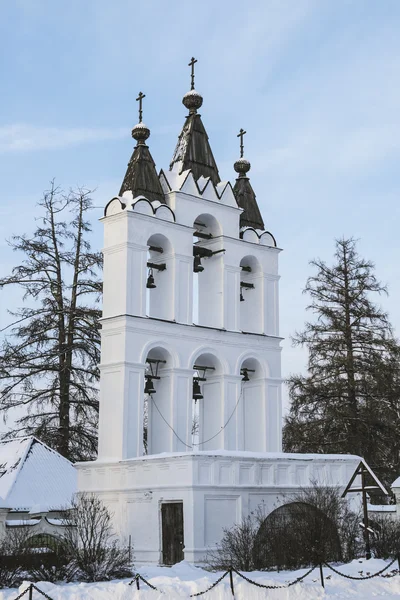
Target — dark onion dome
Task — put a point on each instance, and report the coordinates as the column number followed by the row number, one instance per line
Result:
column 242, row 166
column 141, row 176
column 140, row 133
column 245, row 197
column 192, row 100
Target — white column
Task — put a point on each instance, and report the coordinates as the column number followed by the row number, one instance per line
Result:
column 254, row 416
column 182, row 416
column 160, row 405
column 211, row 413
column 183, row 291
column 274, row 416
column 231, row 436
column 211, row 292
column 121, row 411
column 232, row 298
column 271, row 305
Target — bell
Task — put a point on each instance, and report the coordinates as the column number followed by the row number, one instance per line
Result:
column 245, row 375
column 197, row 266
column 197, row 395
column 241, row 297
column 150, row 281
column 149, row 387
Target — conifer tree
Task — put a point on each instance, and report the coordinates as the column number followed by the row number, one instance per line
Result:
column 349, row 401
column 50, row 353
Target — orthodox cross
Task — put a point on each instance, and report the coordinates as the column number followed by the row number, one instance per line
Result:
column 139, row 99
column 241, row 134
column 191, row 64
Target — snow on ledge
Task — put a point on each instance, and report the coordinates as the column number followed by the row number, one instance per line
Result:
column 241, row 455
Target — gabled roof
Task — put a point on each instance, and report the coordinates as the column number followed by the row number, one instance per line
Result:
column 246, row 199
column 141, row 177
column 32, row 474
column 193, row 151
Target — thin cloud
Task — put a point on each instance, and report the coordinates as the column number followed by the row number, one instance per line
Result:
column 28, row 138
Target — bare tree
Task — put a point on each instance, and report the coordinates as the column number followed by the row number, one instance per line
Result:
column 49, row 360
column 90, row 541
column 13, row 550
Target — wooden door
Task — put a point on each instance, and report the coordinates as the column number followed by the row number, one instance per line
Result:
column 172, row 532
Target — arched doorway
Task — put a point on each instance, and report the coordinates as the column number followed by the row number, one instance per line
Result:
column 296, row 535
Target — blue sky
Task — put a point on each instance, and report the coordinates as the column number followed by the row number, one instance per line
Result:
column 315, row 83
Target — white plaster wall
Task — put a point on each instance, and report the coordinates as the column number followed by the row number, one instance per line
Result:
column 217, row 489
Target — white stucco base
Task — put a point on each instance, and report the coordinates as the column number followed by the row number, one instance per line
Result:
column 216, row 488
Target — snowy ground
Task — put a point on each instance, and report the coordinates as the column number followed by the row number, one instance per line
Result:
column 184, row 579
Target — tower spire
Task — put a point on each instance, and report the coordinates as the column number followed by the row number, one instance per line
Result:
column 141, row 176
column 244, row 193
column 193, row 148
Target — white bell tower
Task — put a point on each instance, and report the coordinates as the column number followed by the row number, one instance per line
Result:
column 190, row 428
column 190, row 308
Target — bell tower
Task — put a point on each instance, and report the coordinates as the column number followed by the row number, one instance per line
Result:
column 190, row 389
column 190, row 341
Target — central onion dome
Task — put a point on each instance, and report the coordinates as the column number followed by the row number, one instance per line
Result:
column 140, row 133
column 242, row 166
column 192, row 100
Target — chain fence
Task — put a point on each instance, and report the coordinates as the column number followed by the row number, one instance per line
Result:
column 231, row 571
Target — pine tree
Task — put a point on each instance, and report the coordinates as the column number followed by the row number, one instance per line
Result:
column 349, row 401
column 49, row 357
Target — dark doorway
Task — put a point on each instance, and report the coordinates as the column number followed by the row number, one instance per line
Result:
column 172, row 532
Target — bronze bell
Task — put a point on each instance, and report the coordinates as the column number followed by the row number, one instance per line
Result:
column 245, row 375
column 197, row 395
column 150, row 281
column 149, row 387
column 197, row 266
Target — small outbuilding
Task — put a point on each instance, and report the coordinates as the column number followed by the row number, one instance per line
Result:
column 36, row 484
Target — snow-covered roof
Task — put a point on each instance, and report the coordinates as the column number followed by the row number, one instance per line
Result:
column 32, row 474
column 380, row 508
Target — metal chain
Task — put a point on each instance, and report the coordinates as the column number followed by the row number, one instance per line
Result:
column 273, row 587
column 211, row 586
column 137, row 576
column 23, row 593
column 360, row 578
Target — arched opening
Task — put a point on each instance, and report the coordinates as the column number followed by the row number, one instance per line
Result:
column 160, row 278
column 157, row 406
column 251, row 295
column 207, row 408
column 207, row 272
column 253, row 416
column 296, row 535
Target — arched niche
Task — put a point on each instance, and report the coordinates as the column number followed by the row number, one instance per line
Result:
column 208, row 276
column 208, row 410
column 160, row 278
column 253, row 414
column 157, row 414
column 297, row 534
column 251, row 295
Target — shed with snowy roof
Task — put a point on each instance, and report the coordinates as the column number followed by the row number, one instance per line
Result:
column 36, row 483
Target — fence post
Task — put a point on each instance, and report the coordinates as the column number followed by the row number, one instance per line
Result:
column 30, row 591
column 137, row 582
column 322, row 575
column 231, row 581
